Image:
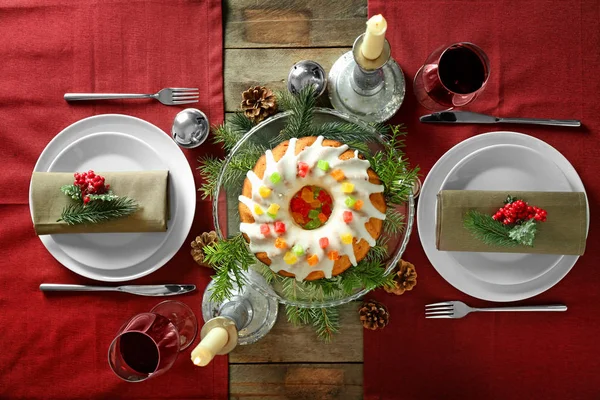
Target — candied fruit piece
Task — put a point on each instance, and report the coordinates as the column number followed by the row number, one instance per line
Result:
column 313, row 260
column 264, row 191
column 313, row 224
column 323, row 165
column 358, row 205
column 298, row 217
column 338, row 174
column 346, row 238
column 306, row 194
column 280, row 243
column 350, row 201
column 290, row 258
column 258, row 210
column 303, row 169
column 347, row 187
column 312, row 214
column 275, row 178
column 333, row 255
column 322, row 217
column 273, row 208
column 326, row 210
column 279, row 227
column 323, row 242
column 348, row 216
column 315, row 203
column 298, row 250
column 264, row 229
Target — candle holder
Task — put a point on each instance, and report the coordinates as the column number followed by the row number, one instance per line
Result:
column 372, row 90
column 247, row 315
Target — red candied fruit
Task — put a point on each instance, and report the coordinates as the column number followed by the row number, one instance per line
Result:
column 302, row 169
column 264, row 229
column 323, row 242
column 279, row 227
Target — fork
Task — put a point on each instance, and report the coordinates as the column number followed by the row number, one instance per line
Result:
column 458, row 309
column 167, row 96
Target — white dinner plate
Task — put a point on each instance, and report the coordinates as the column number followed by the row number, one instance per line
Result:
column 496, row 161
column 114, row 142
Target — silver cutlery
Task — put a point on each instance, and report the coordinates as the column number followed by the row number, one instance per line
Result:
column 142, row 290
column 458, row 309
column 167, row 96
column 467, row 117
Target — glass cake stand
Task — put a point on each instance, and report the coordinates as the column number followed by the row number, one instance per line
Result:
column 227, row 219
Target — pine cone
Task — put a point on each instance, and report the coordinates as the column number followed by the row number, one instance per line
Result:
column 374, row 315
column 206, row 239
column 405, row 279
column 258, row 103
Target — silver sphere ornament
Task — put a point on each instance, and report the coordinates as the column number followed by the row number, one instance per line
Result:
column 190, row 128
column 304, row 73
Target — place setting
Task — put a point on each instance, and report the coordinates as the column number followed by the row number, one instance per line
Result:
column 407, row 178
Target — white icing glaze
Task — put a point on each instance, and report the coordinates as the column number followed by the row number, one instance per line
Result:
column 355, row 171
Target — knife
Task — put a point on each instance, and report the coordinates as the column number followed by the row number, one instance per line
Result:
column 142, row 290
column 467, row 117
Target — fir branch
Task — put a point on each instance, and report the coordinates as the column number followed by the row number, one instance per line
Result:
column 230, row 132
column 98, row 211
column 300, row 119
column 209, row 168
column 345, row 132
column 73, row 191
column 285, row 100
column 488, row 230
column 229, row 258
column 326, row 321
column 394, row 221
column 297, row 315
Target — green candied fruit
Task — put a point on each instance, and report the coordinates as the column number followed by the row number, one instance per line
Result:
column 313, row 224
column 272, row 215
column 350, row 201
column 275, row 178
column 322, row 164
column 316, row 191
column 298, row 250
column 312, row 214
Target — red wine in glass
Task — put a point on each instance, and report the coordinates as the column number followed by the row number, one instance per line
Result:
column 148, row 344
column 452, row 76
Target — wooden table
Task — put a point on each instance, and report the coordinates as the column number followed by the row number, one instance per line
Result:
column 263, row 39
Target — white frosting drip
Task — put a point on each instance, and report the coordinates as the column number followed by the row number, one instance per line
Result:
column 355, row 172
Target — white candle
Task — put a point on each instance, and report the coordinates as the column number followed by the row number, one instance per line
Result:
column 210, row 345
column 372, row 45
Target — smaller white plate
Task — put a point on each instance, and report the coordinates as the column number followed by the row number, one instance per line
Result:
column 109, row 151
column 512, row 168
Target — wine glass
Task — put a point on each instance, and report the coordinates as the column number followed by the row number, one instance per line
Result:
column 452, row 76
column 148, row 344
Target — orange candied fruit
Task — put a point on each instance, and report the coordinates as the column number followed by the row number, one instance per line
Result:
column 338, row 174
column 280, row 243
column 333, row 255
column 313, row 260
column 307, row 195
column 358, row 205
column 298, row 218
column 322, row 217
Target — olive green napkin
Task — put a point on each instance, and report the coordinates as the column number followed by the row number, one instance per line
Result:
column 148, row 188
column 564, row 231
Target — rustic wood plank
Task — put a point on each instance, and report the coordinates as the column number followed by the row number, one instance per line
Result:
column 267, row 67
column 287, row 343
column 298, row 23
column 296, row 381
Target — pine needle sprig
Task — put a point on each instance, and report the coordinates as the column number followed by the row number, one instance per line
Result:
column 326, row 321
column 209, row 169
column 108, row 196
column 285, row 100
column 229, row 258
column 301, row 116
column 488, row 230
column 394, row 221
column 98, row 211
column 297, row 315
column 232, row 130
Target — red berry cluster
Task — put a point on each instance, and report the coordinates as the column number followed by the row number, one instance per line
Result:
column 519, row 211
column 90, row 183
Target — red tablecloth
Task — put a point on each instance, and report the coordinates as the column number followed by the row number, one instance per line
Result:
column 545, row 58
column 55, row 346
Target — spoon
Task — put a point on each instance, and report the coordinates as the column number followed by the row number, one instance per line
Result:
column 190, row 128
